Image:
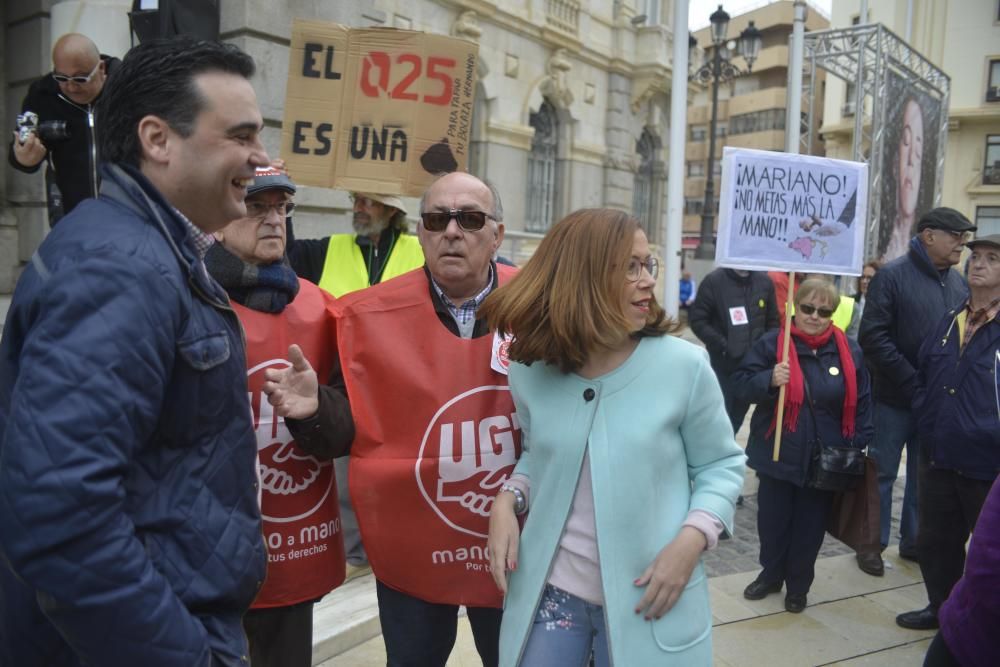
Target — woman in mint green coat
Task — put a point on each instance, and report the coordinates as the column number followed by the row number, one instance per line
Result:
column 629, row 468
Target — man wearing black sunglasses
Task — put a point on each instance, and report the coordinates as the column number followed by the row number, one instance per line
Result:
column 435, row 428
column 64, row 102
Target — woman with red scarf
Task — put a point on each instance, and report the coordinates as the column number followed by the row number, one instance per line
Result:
column 826, row 369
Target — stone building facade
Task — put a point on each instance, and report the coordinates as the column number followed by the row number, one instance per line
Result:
column 571, row 111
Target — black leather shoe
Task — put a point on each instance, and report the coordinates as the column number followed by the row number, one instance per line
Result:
column 758, row 590
column 795, row 602
column 871, row 563
column 922, row 619
column 910, row 554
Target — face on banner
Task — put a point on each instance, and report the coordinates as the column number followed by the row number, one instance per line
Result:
column 791, row 212
column 909, row 169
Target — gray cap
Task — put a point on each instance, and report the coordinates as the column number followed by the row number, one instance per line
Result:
column 269, row 178
column 945, row 218
column 992, row 239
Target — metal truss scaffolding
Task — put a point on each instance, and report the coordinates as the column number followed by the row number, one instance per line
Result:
column 866, row 56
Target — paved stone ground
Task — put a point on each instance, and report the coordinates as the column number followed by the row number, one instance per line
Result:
column 739, row 554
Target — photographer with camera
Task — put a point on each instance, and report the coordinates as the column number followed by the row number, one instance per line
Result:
column 57, row 121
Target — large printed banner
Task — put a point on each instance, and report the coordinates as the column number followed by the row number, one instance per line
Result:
column 781, row 211
column 376, row 110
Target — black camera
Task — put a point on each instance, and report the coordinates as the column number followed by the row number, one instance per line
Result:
column 53, row 131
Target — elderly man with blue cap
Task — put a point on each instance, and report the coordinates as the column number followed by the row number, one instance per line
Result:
column 298, row 489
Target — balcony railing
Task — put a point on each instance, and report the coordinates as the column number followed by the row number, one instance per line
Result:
column 563, row 15
column 991, row 175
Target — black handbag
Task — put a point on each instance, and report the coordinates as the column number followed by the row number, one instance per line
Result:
column 832, row 468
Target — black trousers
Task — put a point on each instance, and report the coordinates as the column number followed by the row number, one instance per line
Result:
column 422, row 634
column 939, row 655
column 791, row 523
column 949, row 505
column 280, row 636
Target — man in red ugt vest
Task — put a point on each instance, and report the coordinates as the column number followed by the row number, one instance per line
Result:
column 425, row 384
column 298, row 491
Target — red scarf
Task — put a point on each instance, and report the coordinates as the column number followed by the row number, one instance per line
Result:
column 795, row 390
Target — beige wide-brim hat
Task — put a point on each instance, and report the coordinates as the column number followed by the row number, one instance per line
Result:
column 387, row 200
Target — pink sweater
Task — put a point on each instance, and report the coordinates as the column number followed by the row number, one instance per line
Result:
column 577, row 565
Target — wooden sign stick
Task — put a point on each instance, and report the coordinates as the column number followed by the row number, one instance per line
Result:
column 784, row 357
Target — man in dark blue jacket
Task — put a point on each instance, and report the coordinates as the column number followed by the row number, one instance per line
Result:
column 957, row 408
column 904, row 301
column 129, row 527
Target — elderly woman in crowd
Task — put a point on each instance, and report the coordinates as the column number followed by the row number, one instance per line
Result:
column 634, row 476
column 827, row 404
column 298, row 490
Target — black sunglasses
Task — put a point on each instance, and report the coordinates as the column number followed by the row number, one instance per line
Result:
column 470, row 221
column 806, row 309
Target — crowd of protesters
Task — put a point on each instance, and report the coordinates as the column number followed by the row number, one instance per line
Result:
column 147, row 516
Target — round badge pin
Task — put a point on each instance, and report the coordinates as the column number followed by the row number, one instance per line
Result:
column 834, row 370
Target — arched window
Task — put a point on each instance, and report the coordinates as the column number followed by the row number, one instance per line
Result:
column 542, row 168
column 642, row 194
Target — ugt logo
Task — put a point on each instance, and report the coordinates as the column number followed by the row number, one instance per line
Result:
column 294, row 484
column 467, row 453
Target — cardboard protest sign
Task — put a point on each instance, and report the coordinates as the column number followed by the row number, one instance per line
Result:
column 781, row 211
column 376, row 110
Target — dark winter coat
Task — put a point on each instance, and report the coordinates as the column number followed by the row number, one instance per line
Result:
column 753, row 383
column 74, row 160
column 904, row 301
column 957, row 404
column 711, row 321
column 129, row 527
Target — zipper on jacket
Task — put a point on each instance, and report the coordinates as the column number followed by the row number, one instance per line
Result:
column 93, row 149
column 91, row 124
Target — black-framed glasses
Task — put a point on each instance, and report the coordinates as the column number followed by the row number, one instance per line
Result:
column 807, row 309
column 259, row 210
column 62, row 78
column 470, row 221
column 635, row 267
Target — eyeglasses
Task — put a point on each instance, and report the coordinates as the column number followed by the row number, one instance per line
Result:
column 260, row 210
column 635, row 267
column 62, row 78
column 964, row 237
column 470, row 221
column 806, row 309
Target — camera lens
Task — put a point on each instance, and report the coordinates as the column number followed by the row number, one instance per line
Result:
column 52, row 131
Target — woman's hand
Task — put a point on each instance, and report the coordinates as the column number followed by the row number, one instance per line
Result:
column 505, row 536
column 780, row 374
column 669, row 573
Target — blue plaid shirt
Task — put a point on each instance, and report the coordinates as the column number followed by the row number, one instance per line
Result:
column 465, row 314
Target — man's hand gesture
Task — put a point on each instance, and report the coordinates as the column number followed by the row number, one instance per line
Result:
column 293, row 391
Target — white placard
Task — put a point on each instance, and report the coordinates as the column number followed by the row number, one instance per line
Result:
column 787, row 212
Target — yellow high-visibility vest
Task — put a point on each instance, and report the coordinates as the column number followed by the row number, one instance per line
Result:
column 344, row 269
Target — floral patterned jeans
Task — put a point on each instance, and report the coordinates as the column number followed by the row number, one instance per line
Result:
column 566, row 631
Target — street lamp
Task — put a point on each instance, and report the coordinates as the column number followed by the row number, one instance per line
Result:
column 716, row 70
